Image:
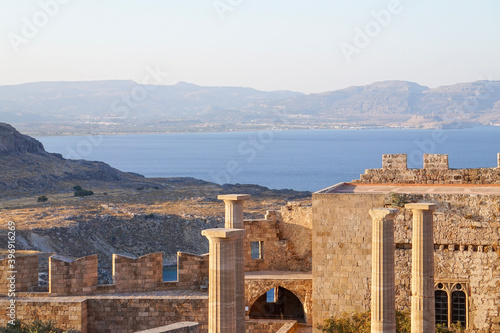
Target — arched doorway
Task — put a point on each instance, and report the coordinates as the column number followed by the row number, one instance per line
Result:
column 284, row 305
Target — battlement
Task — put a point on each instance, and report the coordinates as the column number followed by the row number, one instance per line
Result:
column 130, row 274
column 26, row 276
column 435, row 171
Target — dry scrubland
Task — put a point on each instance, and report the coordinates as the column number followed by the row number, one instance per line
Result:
column 129, row 221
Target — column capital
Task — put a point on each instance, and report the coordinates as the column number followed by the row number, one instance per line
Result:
column 380, row 214
column 421, row 206
column 222, row 233
column 233, row 197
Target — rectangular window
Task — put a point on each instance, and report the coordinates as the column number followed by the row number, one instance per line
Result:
column 257, row 250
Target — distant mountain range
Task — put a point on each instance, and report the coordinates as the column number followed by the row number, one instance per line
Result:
column 127, row 107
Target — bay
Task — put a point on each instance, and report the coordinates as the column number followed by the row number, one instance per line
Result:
column 301, row 160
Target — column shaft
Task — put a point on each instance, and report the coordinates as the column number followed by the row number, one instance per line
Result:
column 222, row 279
column 422, row 269
column 383, row 308
column 234, row 219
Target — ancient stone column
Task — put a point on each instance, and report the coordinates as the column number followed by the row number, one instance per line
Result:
column 234, row 219
column 422, row 269
column 383, row 303
column 222, row 279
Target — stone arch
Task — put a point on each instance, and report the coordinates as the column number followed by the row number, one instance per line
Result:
column 256, row 288
column 287, row 306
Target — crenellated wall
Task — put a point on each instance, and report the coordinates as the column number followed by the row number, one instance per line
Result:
column 131, row 274
column 26, row 273
column 69, row 277
column 436, row 171
column 72, row 277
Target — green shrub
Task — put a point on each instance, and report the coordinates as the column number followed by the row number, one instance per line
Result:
column 36, row 326
column 42, row 198
column 83, row 193
column 399, row 200
column 361, row 323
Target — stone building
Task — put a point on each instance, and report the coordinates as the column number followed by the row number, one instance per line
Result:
column 466, row 240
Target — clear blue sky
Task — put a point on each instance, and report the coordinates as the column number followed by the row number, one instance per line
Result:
column 267, row 45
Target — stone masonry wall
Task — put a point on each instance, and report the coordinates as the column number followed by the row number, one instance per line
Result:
column 394, row 171
column 341, row 253
column 69, row 314
column 137, row 274
column 466, row 237
column 192, row 271
column 127, row 315
column 265, row 231
column 270, row 326
column 72, row 277
column 287, row 237
column 26, row 275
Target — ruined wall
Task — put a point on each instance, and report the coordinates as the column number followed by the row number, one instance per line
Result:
column 287, row 237
column 394, row 171
column 72, row 277
column 132, row 274
column 265, row 231
column 26, row 276
column 68, row 314
column 466, row 237
column 126, row 315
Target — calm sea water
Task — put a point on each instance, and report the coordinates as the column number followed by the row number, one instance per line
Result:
column 170, row 273
column 301, row 160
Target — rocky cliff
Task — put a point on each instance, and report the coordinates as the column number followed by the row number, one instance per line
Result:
column 28, row 169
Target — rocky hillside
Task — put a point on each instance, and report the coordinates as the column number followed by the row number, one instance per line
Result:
column 27, row 169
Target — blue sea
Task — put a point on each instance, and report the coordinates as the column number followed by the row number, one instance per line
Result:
column 301, row 160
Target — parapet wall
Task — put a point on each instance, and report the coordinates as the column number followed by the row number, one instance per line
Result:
column 192, row 271
column 137, row 274
column 26, row 276
column 70, row 314
column 72, row 277
column 436, row 171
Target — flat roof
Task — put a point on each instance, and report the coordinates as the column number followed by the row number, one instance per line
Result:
column 414, row 188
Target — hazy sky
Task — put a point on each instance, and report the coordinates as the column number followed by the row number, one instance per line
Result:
column 300, row 45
